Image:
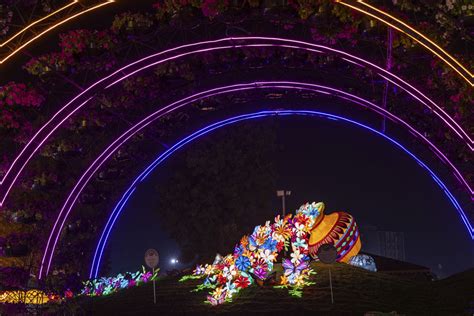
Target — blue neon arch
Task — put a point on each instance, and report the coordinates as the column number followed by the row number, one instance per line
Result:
column 161, row 158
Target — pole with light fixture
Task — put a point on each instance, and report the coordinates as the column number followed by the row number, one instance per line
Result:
column 283, row 194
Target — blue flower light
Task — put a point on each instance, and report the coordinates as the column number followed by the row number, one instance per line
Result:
column 270, row 244
column 242, row 263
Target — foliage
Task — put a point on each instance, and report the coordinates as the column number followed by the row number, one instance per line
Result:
column 165, row 8
column 17, row 108
column 6, row 15
column 11, row 21
column 78, row 41
column 39, row 66
column 18, row 94
column 205, row 204
column 74, row 45
column 131, row 22
column 211, row 8
column 443, row 21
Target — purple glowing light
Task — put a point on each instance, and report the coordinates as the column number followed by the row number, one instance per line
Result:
column 310, row 47
column 20, row 161
column 194, row 136
column 70, row 201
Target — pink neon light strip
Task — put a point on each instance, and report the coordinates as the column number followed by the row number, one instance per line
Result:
column 66, row 111
column 309, row 46
column 70, row 201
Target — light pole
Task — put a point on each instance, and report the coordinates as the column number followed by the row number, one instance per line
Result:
column 283, row 194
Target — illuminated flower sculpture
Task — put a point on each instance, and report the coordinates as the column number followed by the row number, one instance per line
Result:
column 254, row 257
column 109, row 285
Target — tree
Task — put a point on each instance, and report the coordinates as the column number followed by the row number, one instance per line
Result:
column 221, row 187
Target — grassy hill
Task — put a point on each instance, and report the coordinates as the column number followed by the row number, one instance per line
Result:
column 356, row 291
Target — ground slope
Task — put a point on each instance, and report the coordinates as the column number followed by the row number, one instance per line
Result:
column 356, row 291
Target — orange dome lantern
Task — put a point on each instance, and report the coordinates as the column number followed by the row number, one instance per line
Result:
column 338, row 229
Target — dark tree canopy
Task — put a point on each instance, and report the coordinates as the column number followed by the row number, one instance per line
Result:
column 222, row 179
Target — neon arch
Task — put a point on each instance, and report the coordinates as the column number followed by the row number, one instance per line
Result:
column 89, row 173
column 162, row 157
column 405, row 28
column 70, row 201
column 359, row 6
column 26, row 28
column 82, row 98
column 82, row 9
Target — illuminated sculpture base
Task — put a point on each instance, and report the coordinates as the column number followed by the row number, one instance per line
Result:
column 254, row 257
column 108, row 285
column 363, row 261
column 34, row 297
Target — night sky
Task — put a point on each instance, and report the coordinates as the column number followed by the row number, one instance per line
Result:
column 346, row 167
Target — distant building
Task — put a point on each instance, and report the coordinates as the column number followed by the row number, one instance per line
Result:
column 370, row 239
column 383, row 243
column 392, row 245
column 402, row 269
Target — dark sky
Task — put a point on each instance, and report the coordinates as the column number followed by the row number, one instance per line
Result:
column 348, row 168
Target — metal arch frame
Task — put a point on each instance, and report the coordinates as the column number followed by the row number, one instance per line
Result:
column 401, row 26
column 23, row 44
column 131, row 69
column 201, row 132
column 26, row 28
column 358, row 5
column 82, row 182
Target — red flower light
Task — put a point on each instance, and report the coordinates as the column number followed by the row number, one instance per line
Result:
column 221, row 279
column 242, row 282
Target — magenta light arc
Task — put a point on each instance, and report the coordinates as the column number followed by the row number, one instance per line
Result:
column 71, row 199
column 97, row 259
column 40, row 137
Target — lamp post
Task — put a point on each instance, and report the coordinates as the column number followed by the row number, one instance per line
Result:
column 283, row 194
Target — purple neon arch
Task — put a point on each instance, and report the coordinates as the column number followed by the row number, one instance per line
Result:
column 82, row 182
column 117, row 210
column 32, row 146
